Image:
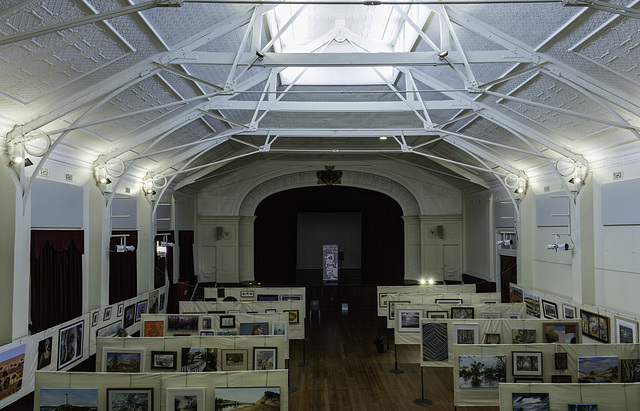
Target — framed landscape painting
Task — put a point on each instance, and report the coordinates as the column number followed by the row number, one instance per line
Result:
column 447, row 301
column 533, row 304
column 245, row 398
column 568, row 311
column 516, row 294
column 526, row 363
column 164, row 360
column 182, row 323
column 626, row 331
column 482, row 371
column 465, row 333
column 129, row 360
column 598, row 369
column 179, row 399
column 196, row 359
column 119, row 399
column 409, row 319
column 234, row 360
column 59, row 398
column 392, row 308
column 550, row 309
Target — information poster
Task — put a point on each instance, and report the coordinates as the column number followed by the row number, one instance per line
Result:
column 330, row 262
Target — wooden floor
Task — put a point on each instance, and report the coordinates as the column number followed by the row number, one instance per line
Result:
column 345, row 371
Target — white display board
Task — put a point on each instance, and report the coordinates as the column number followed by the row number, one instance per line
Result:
column 384, row 290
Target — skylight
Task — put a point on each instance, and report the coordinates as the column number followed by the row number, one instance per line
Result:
column 343, row 29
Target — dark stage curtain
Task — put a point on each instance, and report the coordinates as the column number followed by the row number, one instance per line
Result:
column 162, row 262
column 276, row 230
column 186, row 265
column 123, row 268
column 56, row 277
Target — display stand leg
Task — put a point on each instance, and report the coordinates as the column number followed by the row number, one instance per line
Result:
column 396, row 370
column 422, row 401
column 388, row 339
column 304, row 362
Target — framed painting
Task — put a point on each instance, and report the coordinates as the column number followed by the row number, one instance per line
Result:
column 258, row 328
column 437, row 314
column 107, row 314
column 227, row 321
column 270, row 311
column 630, row 370
column 129, row 360
column 60, row 398
column 291, row 297
column 568, row 311
column 294, row 316
column 153, row 328
column 533, row 304
column 524, row 336
column 234, row 360
column 221, row 292
column 141, row 308
column 44, row 353
column 434, row 342
column 279, row 328
column 207, row 323
column 197, row 359
column 12, row 363
column 207, row 333
column 595, row 326
column 561, row 379
column 462, row 313
column 516, row 294
column 383, row 300
column 409, row 319
column 110, row 330
column 492, row 338
column 182, row 323
column 451, row 301
column 153, row 302
column 246, row 293
column 561, row 361
column 626, row 331
column 119, row 399
column 392, row 308
column 490, row 315
column 560, row 333
column 164, row 360
column 129, row 315
column 526, row 363
column 514, row 316
column 265, row 358
column 267, row 297
column 94, row 318
column 482, row 371
column 70, row 344
column 120, row 310
column 550, row 309
column 598, row 369
column 465, row 333
column 248, row 395
column 161, row 306
column 191, row 399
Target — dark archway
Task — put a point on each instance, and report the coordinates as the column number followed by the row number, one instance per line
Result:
column 275, row 232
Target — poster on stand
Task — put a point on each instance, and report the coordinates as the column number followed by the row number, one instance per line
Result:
column 330, row 263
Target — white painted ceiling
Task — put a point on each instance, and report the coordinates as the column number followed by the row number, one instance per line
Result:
column 179, row 93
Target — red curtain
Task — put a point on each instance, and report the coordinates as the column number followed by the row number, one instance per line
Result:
column 187, row 265
column 123, row 268
column 162, row 262
column 56, row 277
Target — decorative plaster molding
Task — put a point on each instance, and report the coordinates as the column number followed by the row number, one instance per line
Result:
column 358, row 179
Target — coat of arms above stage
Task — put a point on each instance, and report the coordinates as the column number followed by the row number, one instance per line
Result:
column 329, row 176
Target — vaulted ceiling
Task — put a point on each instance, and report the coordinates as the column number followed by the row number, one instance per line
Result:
column 479, row 93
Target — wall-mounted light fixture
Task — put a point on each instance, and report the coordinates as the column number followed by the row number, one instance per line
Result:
column 18, row 160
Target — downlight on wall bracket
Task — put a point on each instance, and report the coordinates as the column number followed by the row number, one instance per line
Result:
column 558, row 246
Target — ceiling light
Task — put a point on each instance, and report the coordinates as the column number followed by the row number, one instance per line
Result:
column 105, row 180
column 431, row 281
column 423, row 281
column 575, row 180
column 443, row 54
column 383, row 137
column 19, row 160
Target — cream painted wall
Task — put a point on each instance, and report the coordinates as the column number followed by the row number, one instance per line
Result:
column 479, row 245
column 7, row 239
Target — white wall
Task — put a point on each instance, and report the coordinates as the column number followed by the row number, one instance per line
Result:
column 478, row 244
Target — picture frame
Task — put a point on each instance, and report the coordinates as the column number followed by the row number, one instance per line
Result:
column 152, row 307
column 435, row 341
column 164, row 360
column 409, row 319
column 492, row 338
column 207, row 333
column 596, row 326
column 630, row 370
column 129, row 315
column 60, row 397
column 94, row 318
column 462, row 313
column 161, row 306
column 561, row 379
column 291, row 297
column 267, row 297
column 383, row 300
column 392, row 308
column 120, row 310
column 265, row 358
column 560, row 333
column 127, row 360
column 524, row 336
column 141, row 308
column 533, row 304
column 465, row 333
column 568, row 312
column 549, row 310
column 235, row 360
column 182, row 322
column 70, row 344
column 153, row 328
column 135, row 398
column 110, row 330
column 453, row 301
column 248, row 395
column 597, row 369
column 514, row 316
column 199, row 359
column 254, row 328
column 294, row 316
column 561, row 361
column 207, row 323
column 481, row 371
column 270, row 311
column 626, row 331
column 192, row 398
column 220, row 292
column 526, row 363
column 280, row 328
column 516, row 294
column 438, row 314
column 45, row 352
column 246, row 293
column 227, row 321
column 107, row 314
column 490, row 315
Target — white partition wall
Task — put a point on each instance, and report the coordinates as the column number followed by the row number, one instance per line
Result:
column 252, row 293
column 384, row 290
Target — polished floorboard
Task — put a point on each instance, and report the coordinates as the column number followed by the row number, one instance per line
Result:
column 345, row 372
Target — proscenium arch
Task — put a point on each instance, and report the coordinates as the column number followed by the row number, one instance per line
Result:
column 385, row 185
